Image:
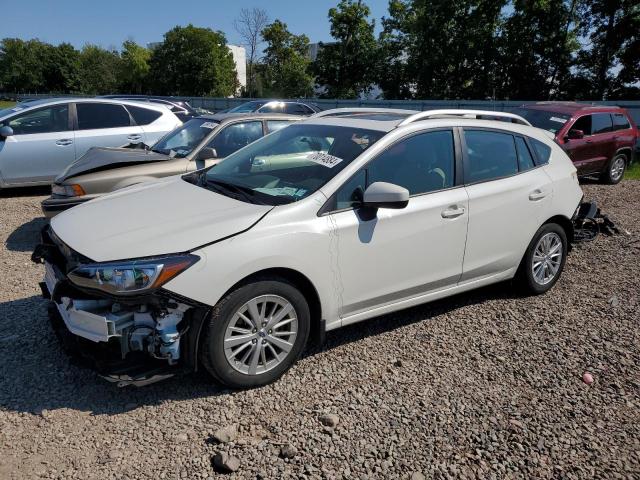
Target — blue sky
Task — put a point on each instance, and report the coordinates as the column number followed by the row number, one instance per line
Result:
column 109, row 22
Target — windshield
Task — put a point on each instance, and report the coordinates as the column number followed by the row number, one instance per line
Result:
column 181, row 142
column 246, row 107
column 551, row 121
column 290, row 164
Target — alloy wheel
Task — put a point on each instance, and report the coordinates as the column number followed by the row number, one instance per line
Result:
column 260, row 334
column 617, row 168
column 547, row 258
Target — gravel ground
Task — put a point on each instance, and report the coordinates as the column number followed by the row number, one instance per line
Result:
column 484, row 385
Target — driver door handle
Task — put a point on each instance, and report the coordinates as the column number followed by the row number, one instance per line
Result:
column 64, row 142
column 135, row 136
column 453, row 212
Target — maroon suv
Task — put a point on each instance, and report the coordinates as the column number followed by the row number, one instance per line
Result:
column 599, row 139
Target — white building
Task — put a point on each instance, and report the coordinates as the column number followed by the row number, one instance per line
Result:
column 240, row 59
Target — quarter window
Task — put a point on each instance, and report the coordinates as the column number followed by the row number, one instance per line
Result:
column 601, row 123
column 236, row 136
column 43, row 120
column 620, row 122
column 101, row 115
column 143, row 116
column 542, row 151
column 490, row 155
column 525, row 160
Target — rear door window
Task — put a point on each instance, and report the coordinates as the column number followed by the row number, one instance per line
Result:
column 297, row 109
column 601, row 123
column 490, row 155
column 236, row 136
column 274, row 125
column 101, row 115
column 620, row 122
column 43, row 120
column 143, row 116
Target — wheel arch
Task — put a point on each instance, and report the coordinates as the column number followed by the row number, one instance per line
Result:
column 566, row 224
column 296, row 278
column 626, row 151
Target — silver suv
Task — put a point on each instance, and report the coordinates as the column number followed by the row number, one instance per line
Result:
column 40, row 138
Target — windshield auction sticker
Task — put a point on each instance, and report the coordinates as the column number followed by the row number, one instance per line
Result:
column 209, row 125
column 559, row 120
column 324, row 159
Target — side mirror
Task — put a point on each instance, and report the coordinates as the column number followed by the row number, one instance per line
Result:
column 207, row 153
column 6, row 131
column 385, row 195
column 575, row 134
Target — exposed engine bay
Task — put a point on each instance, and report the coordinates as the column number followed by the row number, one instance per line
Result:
column 135, row 339
column 140, row 328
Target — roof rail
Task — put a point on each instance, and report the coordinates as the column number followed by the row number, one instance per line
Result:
column 338, row 112
column 463, row 113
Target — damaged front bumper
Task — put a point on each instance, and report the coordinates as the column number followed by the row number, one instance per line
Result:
column 128, row 340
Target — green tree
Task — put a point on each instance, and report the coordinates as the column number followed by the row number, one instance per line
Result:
column 193, row 61
column 134, row 68
column 286, row 62
column 347, row 67
column 393, row 74
column 537, row 49
column 98, row 70
column 439, row 48
column 23, row 65
column 608, row 62
column 62, row 69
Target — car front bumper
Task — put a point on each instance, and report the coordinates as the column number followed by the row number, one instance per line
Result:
column 52, row 206
column 128, row 340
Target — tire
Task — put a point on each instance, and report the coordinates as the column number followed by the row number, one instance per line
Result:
column 232, row 333
column 614, row 172
column 538, row 284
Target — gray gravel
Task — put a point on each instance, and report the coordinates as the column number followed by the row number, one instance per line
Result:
column 484, row 385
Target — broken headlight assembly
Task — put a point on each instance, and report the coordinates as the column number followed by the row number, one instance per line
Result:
column 67, row 190
column 130, row 277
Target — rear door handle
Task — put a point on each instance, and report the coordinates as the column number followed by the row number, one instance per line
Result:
column 537, row 195
column 453, row 212
column 134, row 137
column 64, row 142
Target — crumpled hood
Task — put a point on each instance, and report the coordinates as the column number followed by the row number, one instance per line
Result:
column 98, row 157
column 156, row 218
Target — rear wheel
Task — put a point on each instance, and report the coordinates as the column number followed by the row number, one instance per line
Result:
column 256, row 333
column 615, row 170
column 544, row 259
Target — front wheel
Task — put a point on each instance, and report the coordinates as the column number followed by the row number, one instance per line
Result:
column 544, row 259
column 255, row 333
column 615, row 170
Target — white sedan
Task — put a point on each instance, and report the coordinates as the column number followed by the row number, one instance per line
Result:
column 345, row 216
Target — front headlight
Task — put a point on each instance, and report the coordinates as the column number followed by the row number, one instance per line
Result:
column 131, row 276
column 67, row 190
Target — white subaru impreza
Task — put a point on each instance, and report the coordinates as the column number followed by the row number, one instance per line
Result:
column 345, row 216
